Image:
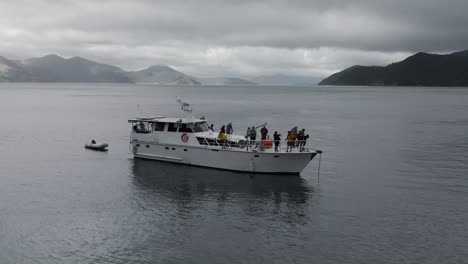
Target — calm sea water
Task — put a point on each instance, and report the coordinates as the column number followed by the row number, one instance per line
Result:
column 393, row 186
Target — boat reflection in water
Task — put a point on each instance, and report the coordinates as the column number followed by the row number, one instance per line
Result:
column 194, row 213
column 166, row 184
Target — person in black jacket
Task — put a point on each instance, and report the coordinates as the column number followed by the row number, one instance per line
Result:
column 264, row 132
column 277, row 138
column 303, row 139
column 253, row 134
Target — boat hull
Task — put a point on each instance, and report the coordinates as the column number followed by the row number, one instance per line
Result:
column 241, row 161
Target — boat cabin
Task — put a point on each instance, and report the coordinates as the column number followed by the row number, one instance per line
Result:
column 163, row 124
column 179, row 131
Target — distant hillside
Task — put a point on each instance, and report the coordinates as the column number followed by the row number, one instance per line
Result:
column 11, row 71
column 162, row 74
column 421, row 69
column 284, row 80
column 461, row 53
column 53, row 68
column 225, row 81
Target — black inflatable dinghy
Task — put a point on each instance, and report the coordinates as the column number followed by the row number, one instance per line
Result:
column 97, row 146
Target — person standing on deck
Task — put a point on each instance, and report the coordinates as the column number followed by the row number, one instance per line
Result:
column 277, row 139
column 253, row 135
column 222, row 137
column 303, row 140
column 247, row 138
column 264, row 132
column 299, row 138
column 290, row 142
column 229, row 129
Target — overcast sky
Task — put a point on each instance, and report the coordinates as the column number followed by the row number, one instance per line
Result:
column 233, row 38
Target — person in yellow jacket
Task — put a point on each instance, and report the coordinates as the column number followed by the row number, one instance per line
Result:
column 222, row 137
column 290, row 140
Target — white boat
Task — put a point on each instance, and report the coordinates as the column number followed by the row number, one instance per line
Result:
column 190, row 141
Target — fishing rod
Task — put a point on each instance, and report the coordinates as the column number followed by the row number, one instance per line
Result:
column 266, row 123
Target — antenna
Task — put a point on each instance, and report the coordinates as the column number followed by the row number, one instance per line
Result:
column 139, row 109
column 184, row 105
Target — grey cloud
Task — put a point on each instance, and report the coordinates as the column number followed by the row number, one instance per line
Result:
column 259, row 35
column 376, row 25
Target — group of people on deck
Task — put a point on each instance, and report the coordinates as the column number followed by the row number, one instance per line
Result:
column 252, row 133
column 297, row 141
column 223, row 132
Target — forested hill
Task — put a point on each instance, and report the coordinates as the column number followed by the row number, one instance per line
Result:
column 421, row 69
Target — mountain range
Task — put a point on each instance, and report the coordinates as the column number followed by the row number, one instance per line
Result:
column 53, row 68
column 421, row 69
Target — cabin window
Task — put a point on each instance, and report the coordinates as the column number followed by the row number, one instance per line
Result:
column 159, row 126
column 192, row 127
column 184, row 128
column 172, row 127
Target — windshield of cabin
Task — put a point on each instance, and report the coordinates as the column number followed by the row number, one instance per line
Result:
column 141, row 127
column 200, row 127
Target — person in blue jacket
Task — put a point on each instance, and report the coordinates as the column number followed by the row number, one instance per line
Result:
column 229, row 129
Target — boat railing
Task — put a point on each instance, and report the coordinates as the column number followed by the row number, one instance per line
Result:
column 277, row 146
column 217, row 142
column 257, row 145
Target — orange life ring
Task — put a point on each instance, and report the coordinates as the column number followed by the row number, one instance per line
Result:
column 184, row 137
